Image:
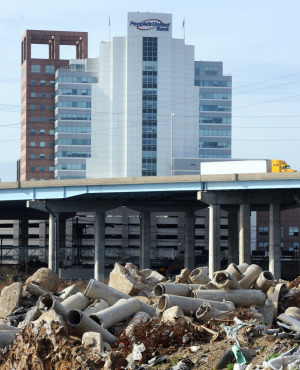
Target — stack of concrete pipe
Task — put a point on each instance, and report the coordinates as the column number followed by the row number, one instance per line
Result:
column 99, row 309
column 205, row 298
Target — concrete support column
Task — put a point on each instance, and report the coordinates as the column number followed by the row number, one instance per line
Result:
column 23, row 246
column 233, row 240
column 145, row 239
column 52, row 243
column 274, row 240
column 189, row 247
column 214, row 252
column 244, row 235
column 99, row 270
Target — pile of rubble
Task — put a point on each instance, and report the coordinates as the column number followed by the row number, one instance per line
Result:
column 139, row 319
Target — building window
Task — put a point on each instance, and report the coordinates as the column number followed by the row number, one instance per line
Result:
column 42, row 95
column 32, row 106
column 52, row 107
column 33, row 82
column 32, row 144
column 42, row 168
column 32, row 132
column 42, row 107
column 50, row 69
column 51, row 169
column 33, row 94
column 42, row 119
column 51, row 144
column 32, row 168
column 42, row 144
column 35, row 68
column 263, row 231
column 293, row 231
column 32, row 156
column 42, row 156
column 42, row 132
column 42, row 82
column 51, row 156
column 32, row 119
column 52, row 83
column 52, row 132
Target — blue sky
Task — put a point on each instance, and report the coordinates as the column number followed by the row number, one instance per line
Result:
column 258, row 42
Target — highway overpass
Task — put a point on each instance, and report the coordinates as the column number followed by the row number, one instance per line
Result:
column 238, row 194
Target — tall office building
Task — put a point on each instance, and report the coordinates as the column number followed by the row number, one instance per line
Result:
column 214, row 110
column 73, row 117
column 155, row 111
column 38, row 99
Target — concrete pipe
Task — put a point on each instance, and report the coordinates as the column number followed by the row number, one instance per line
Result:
column 197, row 276
column 189, row 306
column 76, row 301
column 79, row 323
column 207, row 312
column 291, row 311
column 7, row 336
column 98, row 306
column 235, row 271
column 225, row 280
column 243, row 267
column 67, row 292
column 250, row 276
column 47, row 301
column 138, row 318
column 117, row 313
column 97, row 290
column 183, row 290
column 241, row 297
column 264, row 281
column 4, row 326
column 35, row 290
column 291, row 321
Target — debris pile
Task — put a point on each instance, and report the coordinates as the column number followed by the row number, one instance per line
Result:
column 139, row 320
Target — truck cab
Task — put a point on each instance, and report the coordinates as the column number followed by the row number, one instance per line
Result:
column 278, row 165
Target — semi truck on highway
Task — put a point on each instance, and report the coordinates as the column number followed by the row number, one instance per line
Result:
column 244, row 166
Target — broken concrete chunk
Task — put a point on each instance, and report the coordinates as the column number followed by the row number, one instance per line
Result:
column 33, row 314
column 125, row 280
column 46, row 278
column 49, row 317
column 171, row 314
column 93, row 341
column 183, row 277
column 10, row 299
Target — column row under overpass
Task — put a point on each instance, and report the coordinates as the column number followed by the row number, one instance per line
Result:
column 58, row 200
column 58, row 208
column 239, row 205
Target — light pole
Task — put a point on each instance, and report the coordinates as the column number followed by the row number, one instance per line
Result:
column 172, row 115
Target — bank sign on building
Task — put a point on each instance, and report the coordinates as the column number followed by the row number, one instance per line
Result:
column 150, row 24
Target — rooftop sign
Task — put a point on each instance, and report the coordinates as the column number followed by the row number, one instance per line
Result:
column 151, row 24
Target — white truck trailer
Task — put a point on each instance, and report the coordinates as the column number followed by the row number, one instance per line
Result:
column 244, row 166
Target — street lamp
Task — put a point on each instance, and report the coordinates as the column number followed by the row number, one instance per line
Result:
column 172, row 115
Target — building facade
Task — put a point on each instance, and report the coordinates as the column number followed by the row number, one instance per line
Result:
column 38, row 99
column 154, row 105
column 73, row 117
